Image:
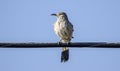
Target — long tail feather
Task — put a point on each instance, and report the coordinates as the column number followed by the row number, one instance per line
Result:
column 65, row 54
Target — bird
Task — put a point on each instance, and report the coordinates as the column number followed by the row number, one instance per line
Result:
column 63, row 29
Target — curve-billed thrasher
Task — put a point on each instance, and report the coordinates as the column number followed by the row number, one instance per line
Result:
column 64, row 29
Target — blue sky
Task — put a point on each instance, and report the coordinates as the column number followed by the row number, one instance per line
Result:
column 30, row 21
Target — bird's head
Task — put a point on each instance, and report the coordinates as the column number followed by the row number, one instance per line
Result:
column 60, row 14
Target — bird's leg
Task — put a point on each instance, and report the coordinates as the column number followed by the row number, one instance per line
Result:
column 60, row 42
column 68, row 43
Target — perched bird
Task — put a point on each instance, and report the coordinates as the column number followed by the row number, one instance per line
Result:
column 64, row 29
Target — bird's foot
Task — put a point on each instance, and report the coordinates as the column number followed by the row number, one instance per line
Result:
column 59, row 42
column 68, row 43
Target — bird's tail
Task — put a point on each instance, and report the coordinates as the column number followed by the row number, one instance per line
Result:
column 65, row 54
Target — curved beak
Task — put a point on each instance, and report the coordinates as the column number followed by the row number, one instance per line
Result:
column 53, row 14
